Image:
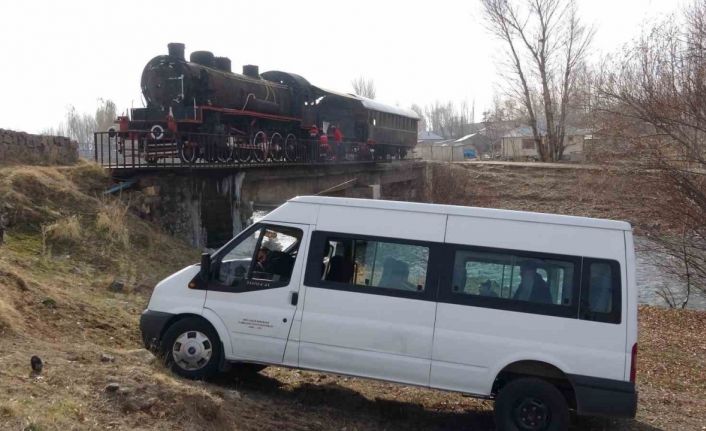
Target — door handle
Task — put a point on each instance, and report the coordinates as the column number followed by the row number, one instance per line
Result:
column 294, row 298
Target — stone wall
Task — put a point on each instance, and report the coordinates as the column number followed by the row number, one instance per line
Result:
column 26, row 149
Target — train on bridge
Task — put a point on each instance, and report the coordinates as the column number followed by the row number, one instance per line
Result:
column 200, row 111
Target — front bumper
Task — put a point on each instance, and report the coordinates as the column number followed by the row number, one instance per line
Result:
column 152, row 325
column 604, row 397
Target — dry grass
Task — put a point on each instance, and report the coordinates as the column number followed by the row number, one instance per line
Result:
column 615, row 194
column 64, row 232
column 111, row 221
column 59, row 308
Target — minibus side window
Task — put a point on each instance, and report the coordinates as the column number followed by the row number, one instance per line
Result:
column 267, row 255
column 373, row 263
column 513, row 277
column 234, row 266
column 275, row 256
column 600, row 291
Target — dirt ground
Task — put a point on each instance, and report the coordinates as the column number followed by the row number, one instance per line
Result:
column 77, row 306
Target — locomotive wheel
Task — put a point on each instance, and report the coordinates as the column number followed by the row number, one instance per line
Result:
column 276, row 147
column 291, row 147
column 224, row 152
column 241, row 150
column 259, row 143
column 188, row 151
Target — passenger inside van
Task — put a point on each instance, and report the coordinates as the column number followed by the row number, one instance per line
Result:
column 338, row 267
column 486, row 289
column 532, row 286
column 395, row 274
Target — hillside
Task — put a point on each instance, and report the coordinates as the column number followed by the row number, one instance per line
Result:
column 77, row 268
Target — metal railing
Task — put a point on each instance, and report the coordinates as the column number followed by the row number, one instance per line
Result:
column 147, row 150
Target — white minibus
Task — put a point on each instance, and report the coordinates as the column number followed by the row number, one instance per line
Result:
column 536, row 311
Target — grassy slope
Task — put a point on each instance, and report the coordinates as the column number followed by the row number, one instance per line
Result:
column 55, row 302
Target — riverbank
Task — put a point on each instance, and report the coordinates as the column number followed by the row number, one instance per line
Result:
column 73, row 294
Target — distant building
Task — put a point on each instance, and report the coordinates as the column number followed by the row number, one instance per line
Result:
column 427, row 137
column 454, row 150
column 518, row 144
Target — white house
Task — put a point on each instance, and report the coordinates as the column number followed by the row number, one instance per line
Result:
column 519, row 143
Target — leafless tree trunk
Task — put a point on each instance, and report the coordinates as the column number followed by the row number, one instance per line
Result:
column 364, row 87
column 546, row 41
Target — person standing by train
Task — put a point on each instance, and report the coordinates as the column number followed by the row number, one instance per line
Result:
column 338, row 143
column 323, row 145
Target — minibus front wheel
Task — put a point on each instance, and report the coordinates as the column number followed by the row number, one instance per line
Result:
column 531, row 404
column 191, row 348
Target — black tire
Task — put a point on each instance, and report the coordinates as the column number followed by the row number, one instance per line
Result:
column 188, row 328
column 531, row 404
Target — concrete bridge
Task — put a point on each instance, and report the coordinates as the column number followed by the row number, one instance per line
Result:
column 207, row 207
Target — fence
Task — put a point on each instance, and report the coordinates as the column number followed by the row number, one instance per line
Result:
column 145, row 149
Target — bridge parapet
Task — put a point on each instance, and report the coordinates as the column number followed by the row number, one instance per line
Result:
column 129, row 151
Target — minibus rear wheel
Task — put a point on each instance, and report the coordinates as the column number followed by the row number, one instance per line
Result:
column 191, row 348
column 531, row 404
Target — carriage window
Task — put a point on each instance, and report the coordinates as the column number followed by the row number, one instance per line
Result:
column 509, row 276
column 369, row 263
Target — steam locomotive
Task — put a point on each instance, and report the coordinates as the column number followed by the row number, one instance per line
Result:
column 199, row 110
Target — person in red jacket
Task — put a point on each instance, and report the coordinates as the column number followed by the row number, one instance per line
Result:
column 338, row 143
column 323, row 145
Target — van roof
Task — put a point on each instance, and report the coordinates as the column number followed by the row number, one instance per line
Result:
column 526, row 216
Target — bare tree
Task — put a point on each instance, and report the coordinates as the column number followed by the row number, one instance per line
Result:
column 80, row 127
column 653, row 96
column 106, row 113
column 448, row 119
column 364, row 87
column 546, row 42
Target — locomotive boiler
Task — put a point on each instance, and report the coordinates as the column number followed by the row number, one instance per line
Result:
column 201, row 111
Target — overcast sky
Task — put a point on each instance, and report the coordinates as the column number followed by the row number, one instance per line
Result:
column 61, row 53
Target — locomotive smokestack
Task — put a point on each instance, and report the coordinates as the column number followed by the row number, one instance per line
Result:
column 176, row 50
column 251, row 70
column 223, row 63
column 204, row 58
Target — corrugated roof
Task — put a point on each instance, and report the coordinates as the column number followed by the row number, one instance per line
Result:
column 427, row 135
column 467, row 137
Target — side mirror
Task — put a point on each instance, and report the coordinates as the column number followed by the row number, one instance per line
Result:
column 205, row 266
